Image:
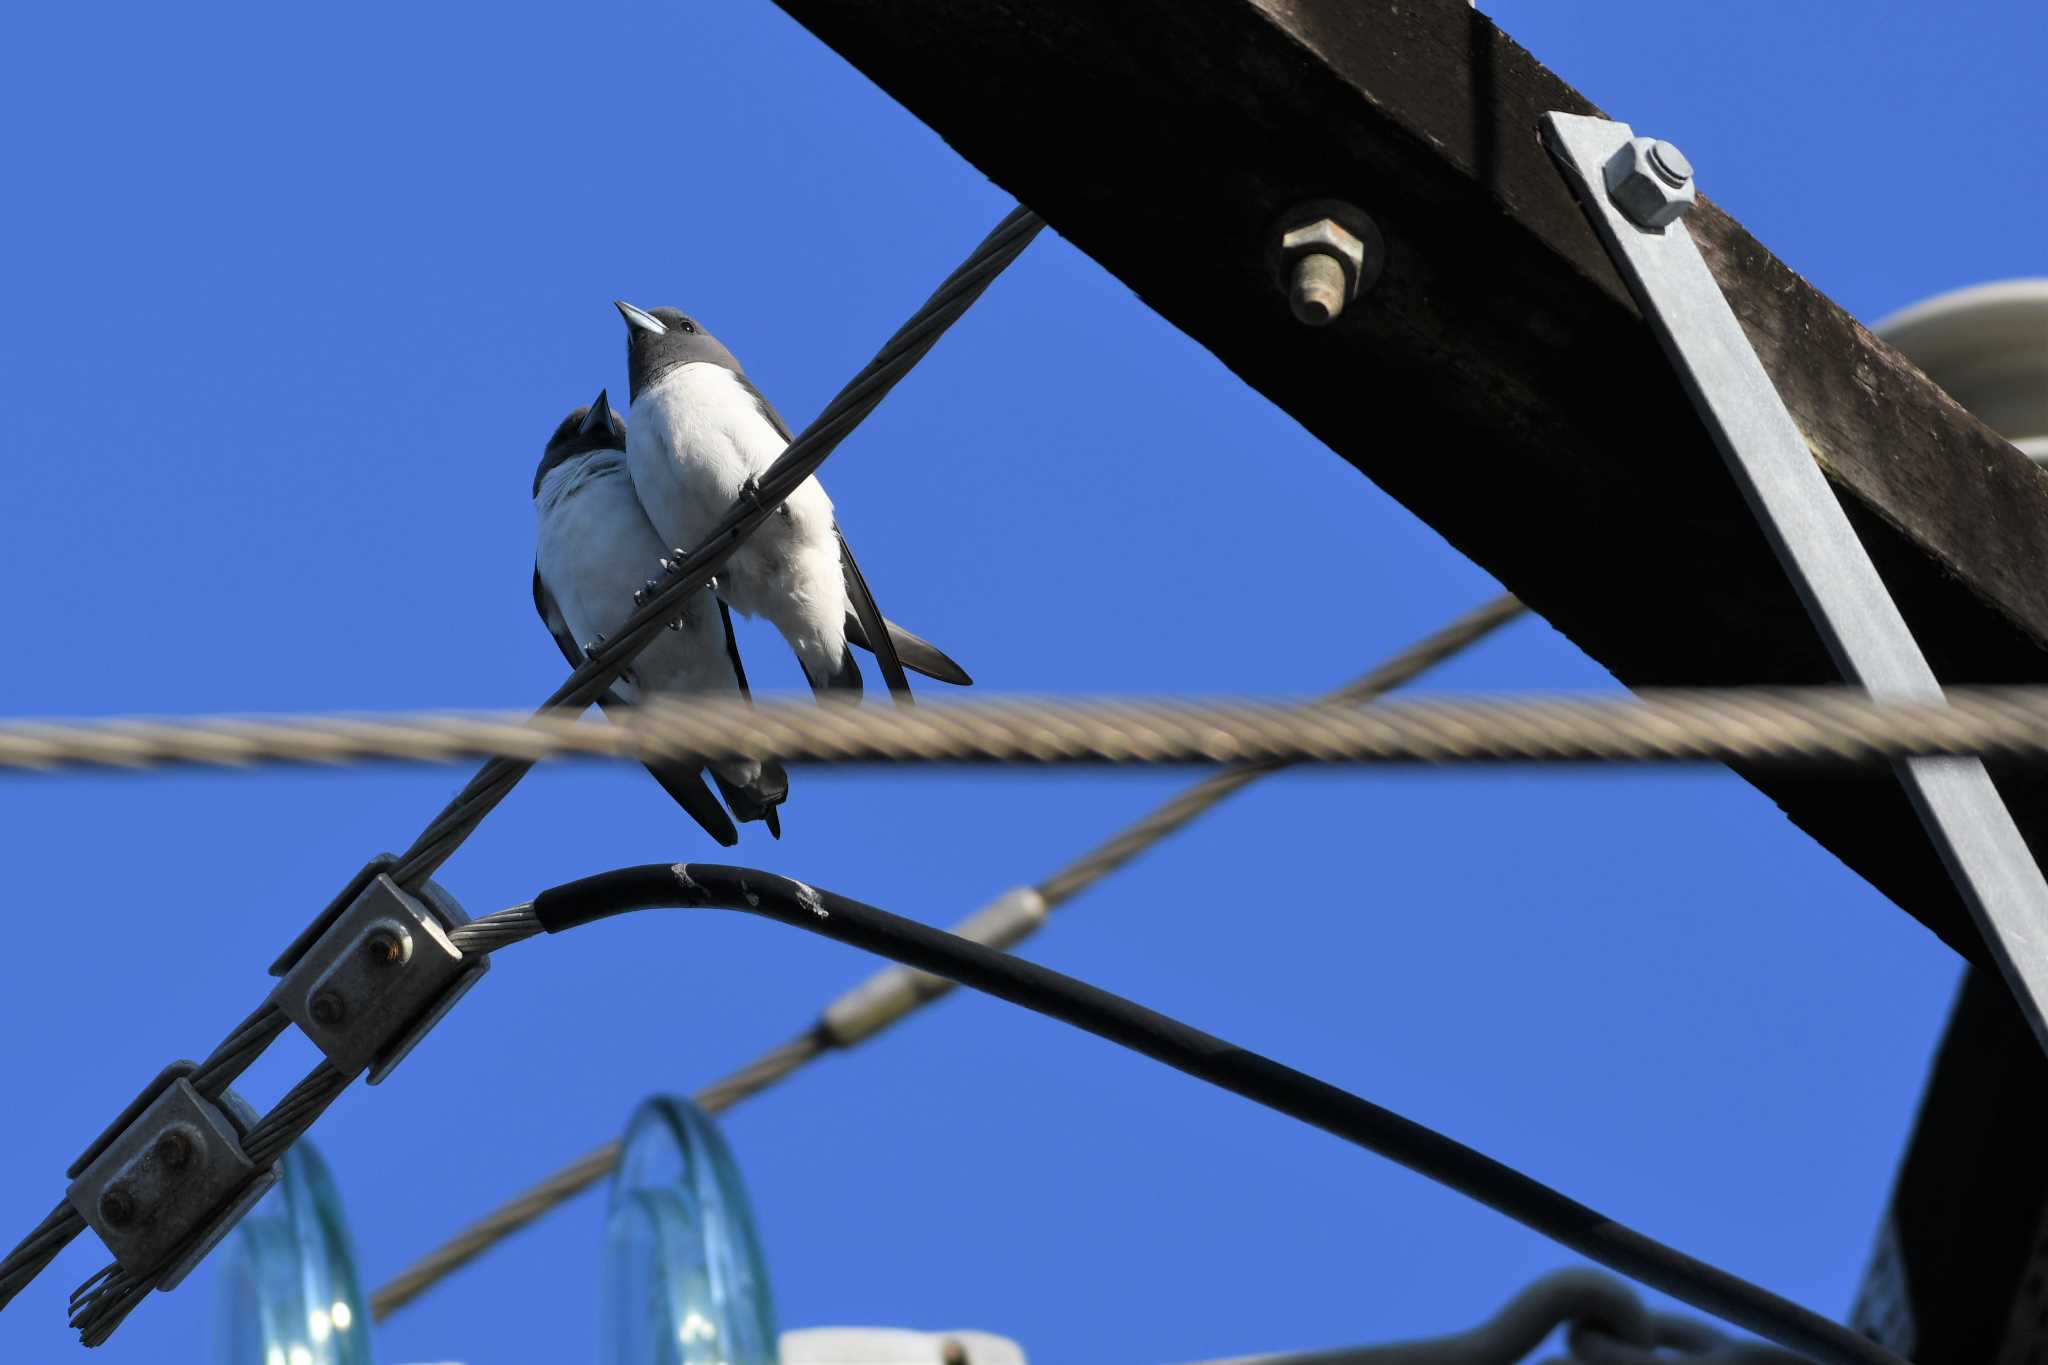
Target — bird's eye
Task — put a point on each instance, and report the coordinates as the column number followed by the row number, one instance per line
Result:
column 688, row 326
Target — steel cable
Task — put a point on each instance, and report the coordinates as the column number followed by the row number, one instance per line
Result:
column 1425, row 654
column 579, row 1175
column 565, row 1184
column 798, row 461
column 1220, row 1063
column 1835, row 729
column 102, row 1302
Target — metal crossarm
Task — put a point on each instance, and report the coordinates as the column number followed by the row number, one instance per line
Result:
column 1637, row 192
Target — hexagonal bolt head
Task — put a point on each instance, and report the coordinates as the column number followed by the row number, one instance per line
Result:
column 1327, row 254
column 1651, row 182
column 1324, row 262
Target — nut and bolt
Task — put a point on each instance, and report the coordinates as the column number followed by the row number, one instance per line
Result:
column 1326, row 253
column 327, row 1009
column 387, row 947
column 1651, row 182
column 174, row 1150
column 117, row 1207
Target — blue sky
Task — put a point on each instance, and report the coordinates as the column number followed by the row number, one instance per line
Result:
column 293, row 298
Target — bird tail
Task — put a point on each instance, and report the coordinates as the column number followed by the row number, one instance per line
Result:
column 918, row 654
column 758, row 799
column 843, row 680
column 686, row 785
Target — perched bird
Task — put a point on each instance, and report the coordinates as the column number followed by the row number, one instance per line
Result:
column 701, row 435
column 591, row 557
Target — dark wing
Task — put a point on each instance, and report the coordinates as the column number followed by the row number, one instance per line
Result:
column 551, row 617
column 772, row 775
column 865, row 622
column 684, row 784
column 873, row 627
column 767, row 408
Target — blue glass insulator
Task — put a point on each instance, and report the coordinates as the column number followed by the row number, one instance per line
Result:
column 285, row 1290
column 684, row 1282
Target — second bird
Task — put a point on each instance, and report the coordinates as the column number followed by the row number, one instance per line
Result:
column 699, row 435
column 592, row 550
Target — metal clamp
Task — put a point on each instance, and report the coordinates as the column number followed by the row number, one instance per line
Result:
column 168, row 1178
column 375, row 971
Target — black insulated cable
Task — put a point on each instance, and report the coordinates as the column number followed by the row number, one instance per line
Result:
column 1259, row 1079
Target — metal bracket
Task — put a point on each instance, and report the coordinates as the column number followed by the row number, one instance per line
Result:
column 165, row 1183
column 1617, row 179
column 376, row 971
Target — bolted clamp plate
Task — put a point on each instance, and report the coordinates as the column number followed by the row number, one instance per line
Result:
column 372, row 975
column 168, row 1180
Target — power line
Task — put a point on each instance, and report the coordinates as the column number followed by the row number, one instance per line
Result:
column 1225, row 1065
column 1838, row 728
column 894, row 992
column 102, row 1302
column 684, row 576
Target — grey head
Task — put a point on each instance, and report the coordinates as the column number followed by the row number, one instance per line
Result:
column 596, row 427
column 658, row 341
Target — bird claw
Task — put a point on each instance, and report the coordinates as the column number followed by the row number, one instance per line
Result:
column 594, row 646
column 750, row 492
column 645, row 591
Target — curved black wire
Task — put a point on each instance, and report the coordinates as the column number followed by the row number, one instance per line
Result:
column 1257, row 1078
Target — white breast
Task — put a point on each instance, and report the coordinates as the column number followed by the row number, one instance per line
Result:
column 693, row 438
column 595, row 548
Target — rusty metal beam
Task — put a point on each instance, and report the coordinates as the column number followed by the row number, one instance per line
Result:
column 1496, row 380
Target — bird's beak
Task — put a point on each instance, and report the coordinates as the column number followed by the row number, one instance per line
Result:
column 635, row 317
column 599, row 418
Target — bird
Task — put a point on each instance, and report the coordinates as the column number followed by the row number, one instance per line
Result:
column 591, row 553
column 700, row 435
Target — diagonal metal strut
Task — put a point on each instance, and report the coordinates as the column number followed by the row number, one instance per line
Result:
column 1969, row 824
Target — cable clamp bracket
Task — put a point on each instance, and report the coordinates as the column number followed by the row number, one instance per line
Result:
column 168, row 1178
column 375, row 971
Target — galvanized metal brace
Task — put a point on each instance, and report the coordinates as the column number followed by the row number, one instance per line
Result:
column 1632, row 190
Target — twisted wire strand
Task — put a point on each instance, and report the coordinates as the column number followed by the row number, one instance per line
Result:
column 493, row 932
column 1837, row 728
column 38, row 1249
column 294, row 1114
column 684, row 577
column 238, row 1050
column 1204, row 796
column 565, row 1184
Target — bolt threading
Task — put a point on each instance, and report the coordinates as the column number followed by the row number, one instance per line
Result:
column 1319, row 289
